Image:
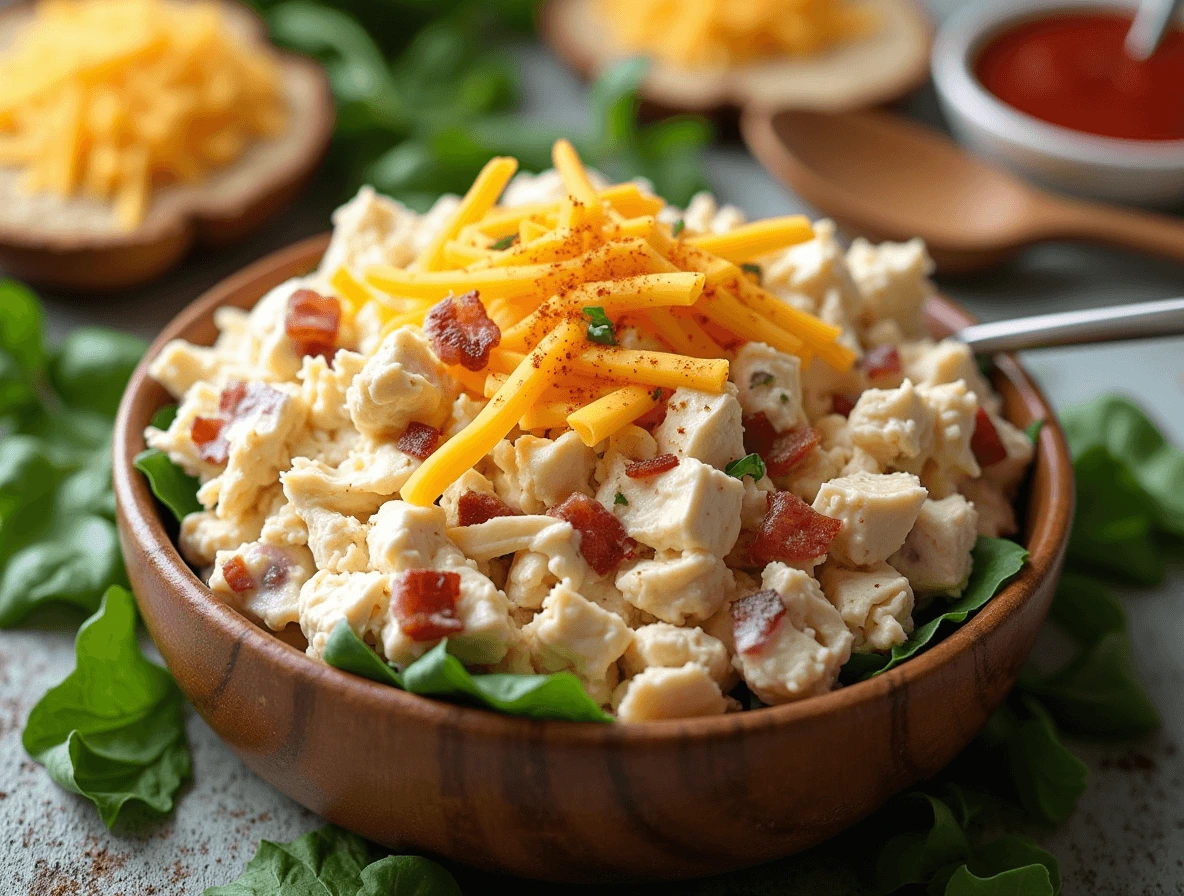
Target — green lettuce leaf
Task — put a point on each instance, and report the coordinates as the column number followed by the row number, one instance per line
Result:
column 1030, row 880
column 439, row 674
column 334, row 862
column 1013, row 852
column 915, row 857
column 171, row 485
column 92, row 368
column 995, row 561
column 114, row 729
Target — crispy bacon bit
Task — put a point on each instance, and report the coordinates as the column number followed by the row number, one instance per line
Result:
column 312, row 322
column 789, row 449
column 276, row 574
column 232, row 396
column 842, row 404
column 474, row 508
column 881, row 361
column 419, row 440
column 644, row 469
column 755, row 618
column 603, row 541
column 655, row 415
column 461, row 331
column 985, row 443
column 237, row 576
column 792, row 531
column 206, row 433
column 759, row 434
column 424, row 604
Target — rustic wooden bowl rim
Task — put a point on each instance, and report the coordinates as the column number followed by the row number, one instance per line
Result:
column 144, row 529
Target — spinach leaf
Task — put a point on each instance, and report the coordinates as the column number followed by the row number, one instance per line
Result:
column 173, row 487
column 917, row 856
column 1033, row 430
column 439, row 674
column 28, row 479
column 164, row 417
column 114, row 729
column 92, row 368
column 749, row 465
column 334, row 862
column 1013, row 852
column 1030, row 880
column 22, row 325
column 995, row 561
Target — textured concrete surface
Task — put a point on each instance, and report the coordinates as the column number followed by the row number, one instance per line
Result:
column 1127, row 836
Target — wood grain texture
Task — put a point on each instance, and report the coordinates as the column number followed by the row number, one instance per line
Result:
column 567, row 801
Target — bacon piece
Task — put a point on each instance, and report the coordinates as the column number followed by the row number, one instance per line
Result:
column 474, row 508
column 759, row 434
column 603, row 541
column 312, row 322
column 789, row 449
column 419, row 440
column 276, row 574
column 792, row 531
column 985, row 443
column 461, row 331
column 755, row 618
column 644, row 469
column 237, row 576
column 842, row 404
column 655, row 415
column 424, row 604
column 206, row 433
column 240, row 399
column 881, row 361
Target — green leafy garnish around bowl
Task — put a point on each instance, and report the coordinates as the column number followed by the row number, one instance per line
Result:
column 437, row 673
column 114, row 729
column 172, row 486
column 334, row 862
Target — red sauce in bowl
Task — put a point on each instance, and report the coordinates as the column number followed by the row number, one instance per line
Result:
column 1070, row 69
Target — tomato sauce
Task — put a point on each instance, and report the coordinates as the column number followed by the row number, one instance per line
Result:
column 1070, row 69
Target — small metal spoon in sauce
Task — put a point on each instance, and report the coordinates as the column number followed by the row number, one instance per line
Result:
column 890, row 178
column 1150, row 24
column 1113, row 324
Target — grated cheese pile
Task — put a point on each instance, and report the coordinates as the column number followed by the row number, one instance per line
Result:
column 723, row 33
column 110, row 98
column 543, row 271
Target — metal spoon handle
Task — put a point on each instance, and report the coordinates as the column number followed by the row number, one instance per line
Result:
column 1147, row 30
column 1142, row 319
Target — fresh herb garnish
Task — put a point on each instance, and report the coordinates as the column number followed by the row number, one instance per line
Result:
column 505, row 242
column 749, row 465
column 114, row 729
column 760, row 378
column 439, row 674
column 677, row 227
column 784, row 398
column 620, row 500
column 172, row 486
column 751, row 268
column 600, row 328
column 656, row 395
column 1033, row 430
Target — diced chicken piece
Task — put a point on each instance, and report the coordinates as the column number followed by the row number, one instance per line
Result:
column 810, row 269
column 660, row 692
column 464, row 411
column 827, row 461
column 996, row 515
column 283, row 526
column 704, row 215
column 875, row 603
column 1007, row 474
column 756, row 501
column 177, row 441
column 639, row 340
column 629, row 443
column 360, row 598
column 181, row 364
column 534, row 474
column 358, row 486
column 529, row 580
column 932, row 363
column 204, row 534
column 894, row 280
column 265, row 348
column 936, row 555
column 337, row 542
column 703, row 426
column 663, row 645
column 572, row 633
column 895, row 426
column 886, row 332
column 877, row 511
column 676, row 587
column 806, row 649
column 324, row 386
column 264, row 581
column 954, row 408
column 822, row 385
column 769, row 383
column 402, row 381
column 691, row 507
column 404, row 536
column 470, row 481
column 371, row 229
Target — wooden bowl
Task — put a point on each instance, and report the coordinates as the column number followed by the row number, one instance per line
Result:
column 74, row 244
column 567, row 801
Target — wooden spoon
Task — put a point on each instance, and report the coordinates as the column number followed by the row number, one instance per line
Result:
column 885, row 177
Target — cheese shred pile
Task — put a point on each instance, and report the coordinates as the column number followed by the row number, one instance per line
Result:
column 110, row 98
column 547, row 273
column 724, row 33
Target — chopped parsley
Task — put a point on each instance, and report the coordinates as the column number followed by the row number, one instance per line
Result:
column 784, row 398
column 506, row 242
column 749, row 268
column 678, row 226
column 600, row 328
column 656, row 395
column 749, row 465
column 621, row 499
column 760, row 378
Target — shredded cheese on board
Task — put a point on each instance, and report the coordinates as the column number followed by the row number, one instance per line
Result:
column 597, row 255
column 111, row 98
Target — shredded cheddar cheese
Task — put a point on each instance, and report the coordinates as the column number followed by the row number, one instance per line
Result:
column 111, row 98
column 540, row 270
column 714, row 34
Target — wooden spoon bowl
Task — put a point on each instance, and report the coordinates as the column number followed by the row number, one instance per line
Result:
column 567, row 801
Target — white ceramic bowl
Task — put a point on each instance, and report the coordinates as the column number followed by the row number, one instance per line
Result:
column 1143, row 172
